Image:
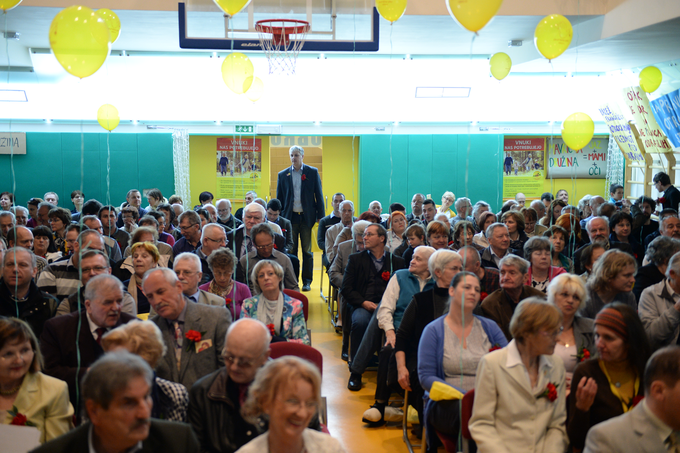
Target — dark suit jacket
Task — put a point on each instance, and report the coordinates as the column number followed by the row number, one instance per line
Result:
column 212, row 323
column 646, row 276
column 58, row 347
column 671, row 198
column 487, row 258
column 579, row 269
column 287, row 230
column 357, row 272
column 311, row 194
column 411, row 217
column 234, row 244
column 168, row 437
column 324, row 225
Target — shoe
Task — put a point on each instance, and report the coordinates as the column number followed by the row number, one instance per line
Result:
column 417, row 431
column 306, row 287
column 354, row 383
column 393, row 414
column 345, row 356
column 373, row 416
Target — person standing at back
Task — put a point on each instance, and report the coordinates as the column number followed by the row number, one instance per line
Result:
column 299, row 190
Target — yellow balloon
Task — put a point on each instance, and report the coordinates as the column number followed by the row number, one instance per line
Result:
column 256, row 90
column 112, row 21
column 391, row 10
column 473, row 15
column 107, row 117
column 500, row 64
column 231, row 7
column 237, row 72
column 650, row 79
column 553, row 35
column 6, row 5
column 577, row 130
column 79, row 39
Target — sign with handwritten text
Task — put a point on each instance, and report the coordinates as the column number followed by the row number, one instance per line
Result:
column 12, row 143
column 651, row 135
column 587, row 163
column 667, row 113
column 620, row 130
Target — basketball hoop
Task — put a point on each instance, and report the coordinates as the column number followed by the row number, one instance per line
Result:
column 281, row 41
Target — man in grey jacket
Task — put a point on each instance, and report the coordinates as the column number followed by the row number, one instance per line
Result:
column 659, row 307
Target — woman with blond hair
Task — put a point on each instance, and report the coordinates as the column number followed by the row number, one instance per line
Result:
column 287, row 393
column 144, row 338
column 145, row 256
column 396, row 225
column 448, row 198
column 612, row 280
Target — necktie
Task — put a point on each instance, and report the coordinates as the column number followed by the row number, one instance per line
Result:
column 100, row 332
column 178, row 342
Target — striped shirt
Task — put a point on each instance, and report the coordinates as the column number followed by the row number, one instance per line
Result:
column 60, row 279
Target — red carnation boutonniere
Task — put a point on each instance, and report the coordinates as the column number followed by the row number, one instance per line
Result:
column 193, row 337
column 661, row 200
column 583, row 354
column 304, row 177
column 18, row 418
column 634, row 402
column 385, row 276
column 482, row 296
column 228, row 300
column 550, row 392
column 450, row 243
column 271, row 329
column 495, row 347
column 275, row 247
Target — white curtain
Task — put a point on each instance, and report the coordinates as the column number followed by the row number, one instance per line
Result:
column 180, row 157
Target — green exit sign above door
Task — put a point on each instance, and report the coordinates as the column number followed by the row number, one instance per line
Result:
column 244, row 129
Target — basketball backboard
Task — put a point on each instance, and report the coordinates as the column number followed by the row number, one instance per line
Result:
column 333, row 28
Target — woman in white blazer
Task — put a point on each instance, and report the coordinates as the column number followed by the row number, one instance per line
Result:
column 520, row 390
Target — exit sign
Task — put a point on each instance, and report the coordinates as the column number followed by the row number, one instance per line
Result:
column 244, row 129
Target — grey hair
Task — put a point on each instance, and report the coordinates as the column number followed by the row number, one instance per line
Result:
column 661, row 249
column 255, row 207
column 346, row 202
column 14, row 209
column 53, row 193
column 359, row 227
column 440, row 259
column 261, row 228
column 536, row 244
column 193, row 216
column 296, row 148
column 474, row 254
column 459, row 202
column 8, row 214
column 606, row 221
column 188, row 256
column 13, row 250
column 111, row 374
column 100, row 282
column 375, row 201
column 168, row 274
column 513, row 260
column 492, row 227
column 225, row 200
column 479, row 205
column 674, row 265
column 278, row 270
column 583, row 202
column 210, row 226
column 45, row 204
column 536, row 203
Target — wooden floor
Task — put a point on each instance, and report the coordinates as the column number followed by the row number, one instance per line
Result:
column 346, row 408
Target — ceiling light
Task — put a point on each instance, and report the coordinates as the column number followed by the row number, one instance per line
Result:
column 134, row 122
column 217, row 123
column 48, row 121
column 317, row 123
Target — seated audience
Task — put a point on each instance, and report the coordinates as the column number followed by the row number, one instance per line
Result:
column 187, row 266
column 514, row 220
column 659, row 307
column 112, row 249
column 326, row 222
column 32, row 205
column 222, row 262
column 240, row 240
column 598, row 232
column 552, row 213
column 27, row 396
column 365, row 280
column 658, row 253
column 161, row 221
column 71, row 343
column 654, row 423
column 59, row 219
column 610, row 384
column 281, row 313
column 669, row 226
column 193, row 333
column 213, row 237
column 520, row 389
column 347, row 218
column 643, row 225
column 415, row 236
column 541, row 271
column 463, row 233
column 500, row 305
column 129, row 216
column 144, row 338
column 6, row 200
column 20, row 215
column 170, row 218
column 21, row 236
column 215, row 401
column 116, row 395
column 276, row 385
column 190, row 225
column 204, row 216
column 477, row 210
column 107, row 216
column 575, row 342
column 93, row 263
column 396, row 225
column 574, row 235
column 499, row 246
column 591, row 253
column 43, row 244
column 224, row 216
column 558, row 239
column 530, row 220
column 264, row 243
column 486, row 219
column 450, row 350
column 488, row 276
column 438, row 235
column 44, row 209
column 145, row 257
column 620, row 225
column 19, row 295
column 276, row 220
column 612, row 281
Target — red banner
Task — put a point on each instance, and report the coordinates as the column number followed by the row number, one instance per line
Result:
column 524, row 144
column 251, row 145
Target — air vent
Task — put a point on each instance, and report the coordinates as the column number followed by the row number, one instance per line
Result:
column 267, row 129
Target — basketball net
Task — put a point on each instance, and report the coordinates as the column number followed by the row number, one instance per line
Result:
column 281, row 41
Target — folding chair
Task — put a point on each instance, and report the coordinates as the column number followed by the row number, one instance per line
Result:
column 404, row 427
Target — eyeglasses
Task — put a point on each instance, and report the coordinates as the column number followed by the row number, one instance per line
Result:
column 186, row 227
column 294, row 403
column 368, row 235
column 265, row 247
column 187, row 273
column 216, row 241
column 240, row 361
column 87, row 270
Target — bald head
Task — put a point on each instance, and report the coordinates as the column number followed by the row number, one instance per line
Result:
column 246, row 349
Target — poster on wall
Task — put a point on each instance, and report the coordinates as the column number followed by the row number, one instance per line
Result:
column 523, row 166
column 652, row 137
column 621, row 131
column 587, row 163
column 238, row 165
column 667, row 112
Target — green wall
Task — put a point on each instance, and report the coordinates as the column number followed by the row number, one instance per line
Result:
column 52, row 163
column 430, row 164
